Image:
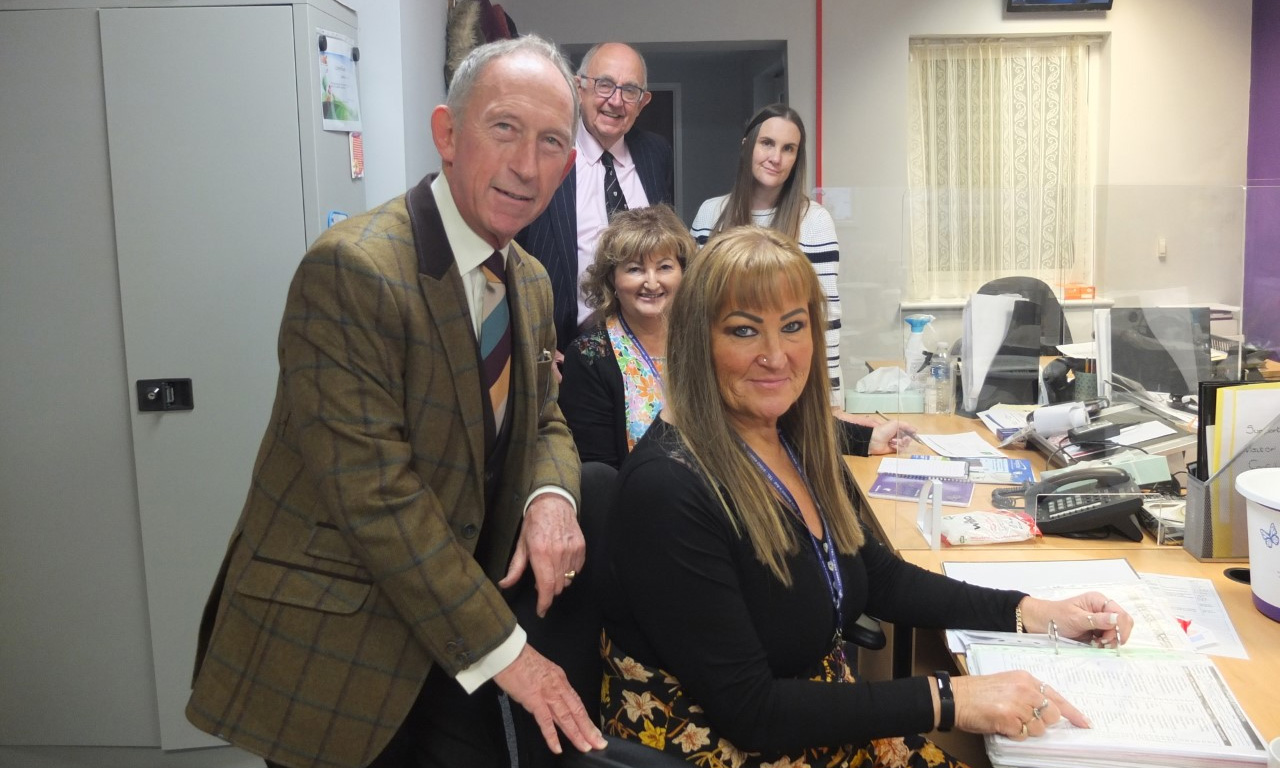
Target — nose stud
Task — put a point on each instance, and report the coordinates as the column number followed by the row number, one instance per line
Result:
column 764, row 360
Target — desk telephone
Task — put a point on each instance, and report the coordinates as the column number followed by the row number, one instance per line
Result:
column 1084, row 501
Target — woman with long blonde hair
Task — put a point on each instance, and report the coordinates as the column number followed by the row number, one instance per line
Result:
column 738, row 562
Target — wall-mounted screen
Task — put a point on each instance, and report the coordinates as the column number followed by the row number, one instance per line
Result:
column 1057, row 5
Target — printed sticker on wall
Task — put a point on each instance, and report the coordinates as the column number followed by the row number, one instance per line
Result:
column 356, row 141
column 335, row 217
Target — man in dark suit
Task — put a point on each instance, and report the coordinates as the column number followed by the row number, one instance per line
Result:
column 611, row 85
column 416, row 462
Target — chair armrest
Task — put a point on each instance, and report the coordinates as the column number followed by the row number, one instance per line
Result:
column 620, row 754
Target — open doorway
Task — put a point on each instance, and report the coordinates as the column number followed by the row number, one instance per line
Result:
column 703, row 94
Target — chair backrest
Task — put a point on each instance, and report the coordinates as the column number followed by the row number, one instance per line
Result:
column 1053, row 327
column 569, row 635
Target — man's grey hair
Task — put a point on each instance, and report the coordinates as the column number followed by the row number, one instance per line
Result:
column 468, row 72
column 584, row 68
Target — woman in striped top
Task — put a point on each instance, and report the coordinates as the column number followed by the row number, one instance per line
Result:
column 769, row 191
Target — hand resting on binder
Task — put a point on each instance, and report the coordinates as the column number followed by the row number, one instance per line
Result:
column 1018, row 705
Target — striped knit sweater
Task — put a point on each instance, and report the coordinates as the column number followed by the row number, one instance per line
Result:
column 818, row 241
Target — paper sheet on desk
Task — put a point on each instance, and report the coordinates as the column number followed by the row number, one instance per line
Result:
column 1081, row 349
column 964, row 445
column 1140, row 433
column 926, row 467
column 1197, row 601
column 1155, row 625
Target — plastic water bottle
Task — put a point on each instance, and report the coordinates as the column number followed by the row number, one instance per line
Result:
column 941, row 390
column 914, row 348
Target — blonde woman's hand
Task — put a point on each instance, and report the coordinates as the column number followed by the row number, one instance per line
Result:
column 1014, row 704
column 1089, row 617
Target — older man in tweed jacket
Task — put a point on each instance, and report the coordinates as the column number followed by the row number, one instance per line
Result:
column 357, row 619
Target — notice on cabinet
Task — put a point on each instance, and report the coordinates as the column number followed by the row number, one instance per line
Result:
column 339, row 93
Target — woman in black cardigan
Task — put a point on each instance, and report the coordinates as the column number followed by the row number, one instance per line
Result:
column 612, row 386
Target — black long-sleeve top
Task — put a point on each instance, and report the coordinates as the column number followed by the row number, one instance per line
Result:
column 691, row 598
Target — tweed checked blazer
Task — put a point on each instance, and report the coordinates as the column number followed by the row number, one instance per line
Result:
column 552, row 238
column 353, row 567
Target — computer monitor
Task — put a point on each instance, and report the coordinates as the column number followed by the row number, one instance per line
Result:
column 1163, row 349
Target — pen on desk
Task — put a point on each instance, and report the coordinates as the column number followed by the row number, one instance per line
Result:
column 881, row 415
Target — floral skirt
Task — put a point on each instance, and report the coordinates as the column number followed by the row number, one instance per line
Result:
column 647, row 704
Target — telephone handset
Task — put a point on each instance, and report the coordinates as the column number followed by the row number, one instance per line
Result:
column 1085, row 500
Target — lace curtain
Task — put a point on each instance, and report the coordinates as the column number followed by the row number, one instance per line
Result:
column 999, row 163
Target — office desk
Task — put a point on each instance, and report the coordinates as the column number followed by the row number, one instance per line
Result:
column 895, row 521
column 1249, row 678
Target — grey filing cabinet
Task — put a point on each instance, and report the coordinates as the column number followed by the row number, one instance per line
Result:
column 164, row 169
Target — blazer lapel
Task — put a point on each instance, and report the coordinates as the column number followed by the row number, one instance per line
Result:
column 448, row 311
column 565, row 199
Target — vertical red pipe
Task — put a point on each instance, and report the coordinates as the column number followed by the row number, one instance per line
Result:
column 817, row 117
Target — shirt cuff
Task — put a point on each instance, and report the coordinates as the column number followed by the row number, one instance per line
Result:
column 551, row 489
column 492, row 662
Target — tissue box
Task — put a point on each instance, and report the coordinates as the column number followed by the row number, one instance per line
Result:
column 886, row 402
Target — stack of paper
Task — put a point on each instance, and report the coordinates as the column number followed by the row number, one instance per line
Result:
column 1151, row 703
column 1147, row 708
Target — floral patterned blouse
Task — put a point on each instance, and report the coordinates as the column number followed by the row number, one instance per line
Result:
column 642, row 385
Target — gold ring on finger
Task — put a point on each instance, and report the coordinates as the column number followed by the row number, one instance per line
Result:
column 1024, row 730
column 1090, row 618
column 1042, row 685
column 570, row 574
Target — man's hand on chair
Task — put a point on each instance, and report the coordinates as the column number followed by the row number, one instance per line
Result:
column 542, row 688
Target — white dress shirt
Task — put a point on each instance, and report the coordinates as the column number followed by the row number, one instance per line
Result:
column 592, row 215
column 469, row 252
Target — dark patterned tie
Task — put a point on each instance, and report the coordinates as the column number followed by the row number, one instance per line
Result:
column 614, row 200
column 495, row 336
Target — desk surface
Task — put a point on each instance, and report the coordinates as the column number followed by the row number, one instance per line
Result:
column 1261, row 636
column 895, row 521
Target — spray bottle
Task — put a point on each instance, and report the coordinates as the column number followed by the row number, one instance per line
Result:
column 915, row 344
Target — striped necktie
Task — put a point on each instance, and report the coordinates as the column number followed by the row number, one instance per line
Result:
column 495, row 336
column 614, row 200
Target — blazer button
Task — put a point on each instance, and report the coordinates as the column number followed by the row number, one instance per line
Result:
column 469, row 531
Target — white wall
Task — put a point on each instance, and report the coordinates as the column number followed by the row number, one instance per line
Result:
column 1173, row 130
column 401, row 79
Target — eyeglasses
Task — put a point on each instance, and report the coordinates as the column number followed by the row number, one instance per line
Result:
column 605, row 87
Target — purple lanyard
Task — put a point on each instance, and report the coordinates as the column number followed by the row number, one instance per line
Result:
column 644, row 353
column 825, row 553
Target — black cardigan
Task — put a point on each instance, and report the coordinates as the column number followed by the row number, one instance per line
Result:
column 688, row 595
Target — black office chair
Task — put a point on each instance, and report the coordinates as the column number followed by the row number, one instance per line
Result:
column 569, row 635
column 1053, row 326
